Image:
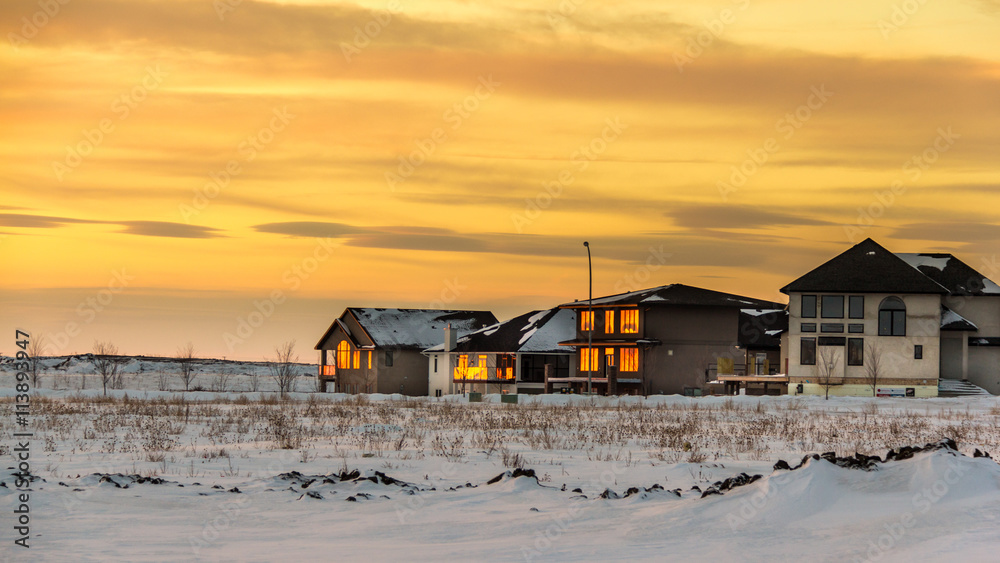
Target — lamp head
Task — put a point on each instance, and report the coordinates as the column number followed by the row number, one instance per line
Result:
column 585, row 243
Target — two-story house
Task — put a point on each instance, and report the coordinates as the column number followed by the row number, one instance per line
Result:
column 507, row 357
column 373, row 350
column 660, row 340
column 870, row 321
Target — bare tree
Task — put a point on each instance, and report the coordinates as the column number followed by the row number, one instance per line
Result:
column 108, row 364
column 282, row 367
column 828, row 360
column 873, row 366
column 36, row 349
column 185, row 355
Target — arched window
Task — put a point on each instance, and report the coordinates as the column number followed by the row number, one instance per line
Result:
column 892, row 317
column 343, row 355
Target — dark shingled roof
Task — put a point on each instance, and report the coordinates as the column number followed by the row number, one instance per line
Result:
column 536, row 332
column 677, row 294
column 761, row 329
column 866, row 267
column 956, row 276
column 412, row 328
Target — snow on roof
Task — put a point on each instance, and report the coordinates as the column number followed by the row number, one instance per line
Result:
column 936, row 261
column 759, row 312
column 417, row 328
column 533, row 332
column 950, row 320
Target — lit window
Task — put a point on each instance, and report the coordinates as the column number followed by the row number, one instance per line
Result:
column 630, row 359
column 370, row 359
column 609, row 356
column 463, row 361
column 609, row 321
column 586, row 320
column 343, row 355
column 588, row 362
column 357, row 359
column 630, row 321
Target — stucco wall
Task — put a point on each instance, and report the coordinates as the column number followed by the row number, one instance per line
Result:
column 923, row 321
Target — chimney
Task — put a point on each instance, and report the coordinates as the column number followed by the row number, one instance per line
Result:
column 449, row 338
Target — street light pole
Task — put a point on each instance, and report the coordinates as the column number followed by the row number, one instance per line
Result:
column 590, row 323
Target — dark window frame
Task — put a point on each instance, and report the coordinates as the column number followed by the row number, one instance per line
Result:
column 855, row 357
column 388, row 358
column 832, row 299
column 807, row 354
column 918, row 351
column 855, row 306
column 892, row 317
column 808, row 311
column 807, row 327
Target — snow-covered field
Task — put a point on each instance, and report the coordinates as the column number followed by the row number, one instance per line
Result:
column 150, row 475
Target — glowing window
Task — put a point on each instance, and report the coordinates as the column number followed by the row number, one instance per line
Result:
column 588, row 362
column 630, row 321
column 357, row 359
column 609, row 321
column 630, row 359
column 586, row 320
column 343, row 355
column 369, row 359
column 609, row 356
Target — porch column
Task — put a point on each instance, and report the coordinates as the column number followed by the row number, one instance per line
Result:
column 965, row 355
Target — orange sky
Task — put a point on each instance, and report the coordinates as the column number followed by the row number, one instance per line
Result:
column 171, row 167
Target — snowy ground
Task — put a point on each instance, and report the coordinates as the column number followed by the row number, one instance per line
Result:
column 149, row 475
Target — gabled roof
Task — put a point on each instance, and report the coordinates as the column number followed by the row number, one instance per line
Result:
column 412, row 328
column 866, row 267
column 536, row 332
column 676, row 294
column 761, row 328
column 950, row 320
column 956, row 276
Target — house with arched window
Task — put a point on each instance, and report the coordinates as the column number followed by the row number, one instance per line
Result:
column 374, row 350
column 873, row 322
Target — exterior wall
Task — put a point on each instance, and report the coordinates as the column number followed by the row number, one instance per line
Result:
column 951, row 355
column 692, row 339
column 406, row 375
column 923, row 321
column 858, row 390
column 983, row 362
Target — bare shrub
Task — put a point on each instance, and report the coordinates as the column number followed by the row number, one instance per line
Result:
column 35, row 350
column 108, row 364
column 185, row 357
column 282, row 368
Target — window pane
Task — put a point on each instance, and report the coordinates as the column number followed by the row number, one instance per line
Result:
column 586, row 320
column 630, row 321
column 856, row 306
column 809, row 306
column 807, row 355
column 609, row 321
column 855, row 351
column 899, row 323
column 833, row 306
column 885, row 323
